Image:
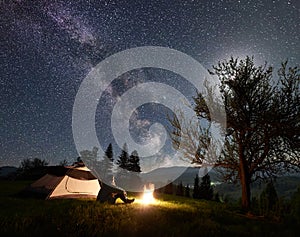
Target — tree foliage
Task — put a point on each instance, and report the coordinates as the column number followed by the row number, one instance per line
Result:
column 295, row 204
column 64, row 162
column 179, row 189
column 88, row 155
column 187, row 191
column 134, row 162
column 28, row 164
column 206, row 190
column 31, row 168
column 123, row 157
column 109, row 154
column 268, row 199
column 130, row 163
column 107, row 164
column 196, row 189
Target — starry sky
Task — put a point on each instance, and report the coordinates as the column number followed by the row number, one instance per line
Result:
column 48, row 47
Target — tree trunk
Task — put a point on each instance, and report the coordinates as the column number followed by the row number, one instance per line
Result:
column 245, row 182
column 245, row 179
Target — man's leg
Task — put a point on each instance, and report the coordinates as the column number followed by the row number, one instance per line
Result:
column 122, row 196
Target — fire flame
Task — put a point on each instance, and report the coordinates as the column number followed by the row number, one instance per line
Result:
column 148, row 194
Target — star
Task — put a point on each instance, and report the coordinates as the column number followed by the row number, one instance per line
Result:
column 48, row 48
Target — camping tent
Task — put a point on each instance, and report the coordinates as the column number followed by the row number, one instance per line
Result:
column 66, row 182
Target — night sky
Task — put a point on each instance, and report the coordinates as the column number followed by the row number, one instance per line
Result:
column 48, row 47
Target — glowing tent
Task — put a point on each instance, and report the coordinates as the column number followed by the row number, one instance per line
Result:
column 66, row 182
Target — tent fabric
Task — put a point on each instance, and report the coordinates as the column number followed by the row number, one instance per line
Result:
column 75, row 187
column 45, row 184
column 80, row 174
column 67, row 182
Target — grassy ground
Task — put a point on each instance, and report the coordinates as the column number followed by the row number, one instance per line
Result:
column 169, row 216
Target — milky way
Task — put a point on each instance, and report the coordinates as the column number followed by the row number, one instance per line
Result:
column 48, row 47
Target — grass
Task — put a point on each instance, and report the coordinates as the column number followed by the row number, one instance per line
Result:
column 169, row 216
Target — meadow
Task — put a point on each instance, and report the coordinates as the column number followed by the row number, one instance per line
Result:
column 169, row 216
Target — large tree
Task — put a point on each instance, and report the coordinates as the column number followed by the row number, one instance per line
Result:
column 263, row 123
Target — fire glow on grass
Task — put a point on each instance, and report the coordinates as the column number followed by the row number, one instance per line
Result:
column 148, row 195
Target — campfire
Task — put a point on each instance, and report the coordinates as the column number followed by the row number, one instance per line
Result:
column 148, row 194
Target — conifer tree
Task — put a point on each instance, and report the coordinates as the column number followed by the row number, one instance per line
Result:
column 196, row 190
column 268, row 199
column 179, row 189
column 107, row 164
column 206, row 190
column 187, row 191
column 123, row 160
column 109, row 152
column 134, row 162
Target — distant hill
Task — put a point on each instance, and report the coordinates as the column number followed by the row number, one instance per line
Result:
column 163, row 176
column 187, row 178
column 284, row 185
column 6, row 171
column 176, row 174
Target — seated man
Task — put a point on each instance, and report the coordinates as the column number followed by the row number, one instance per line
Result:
column 112, row 193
